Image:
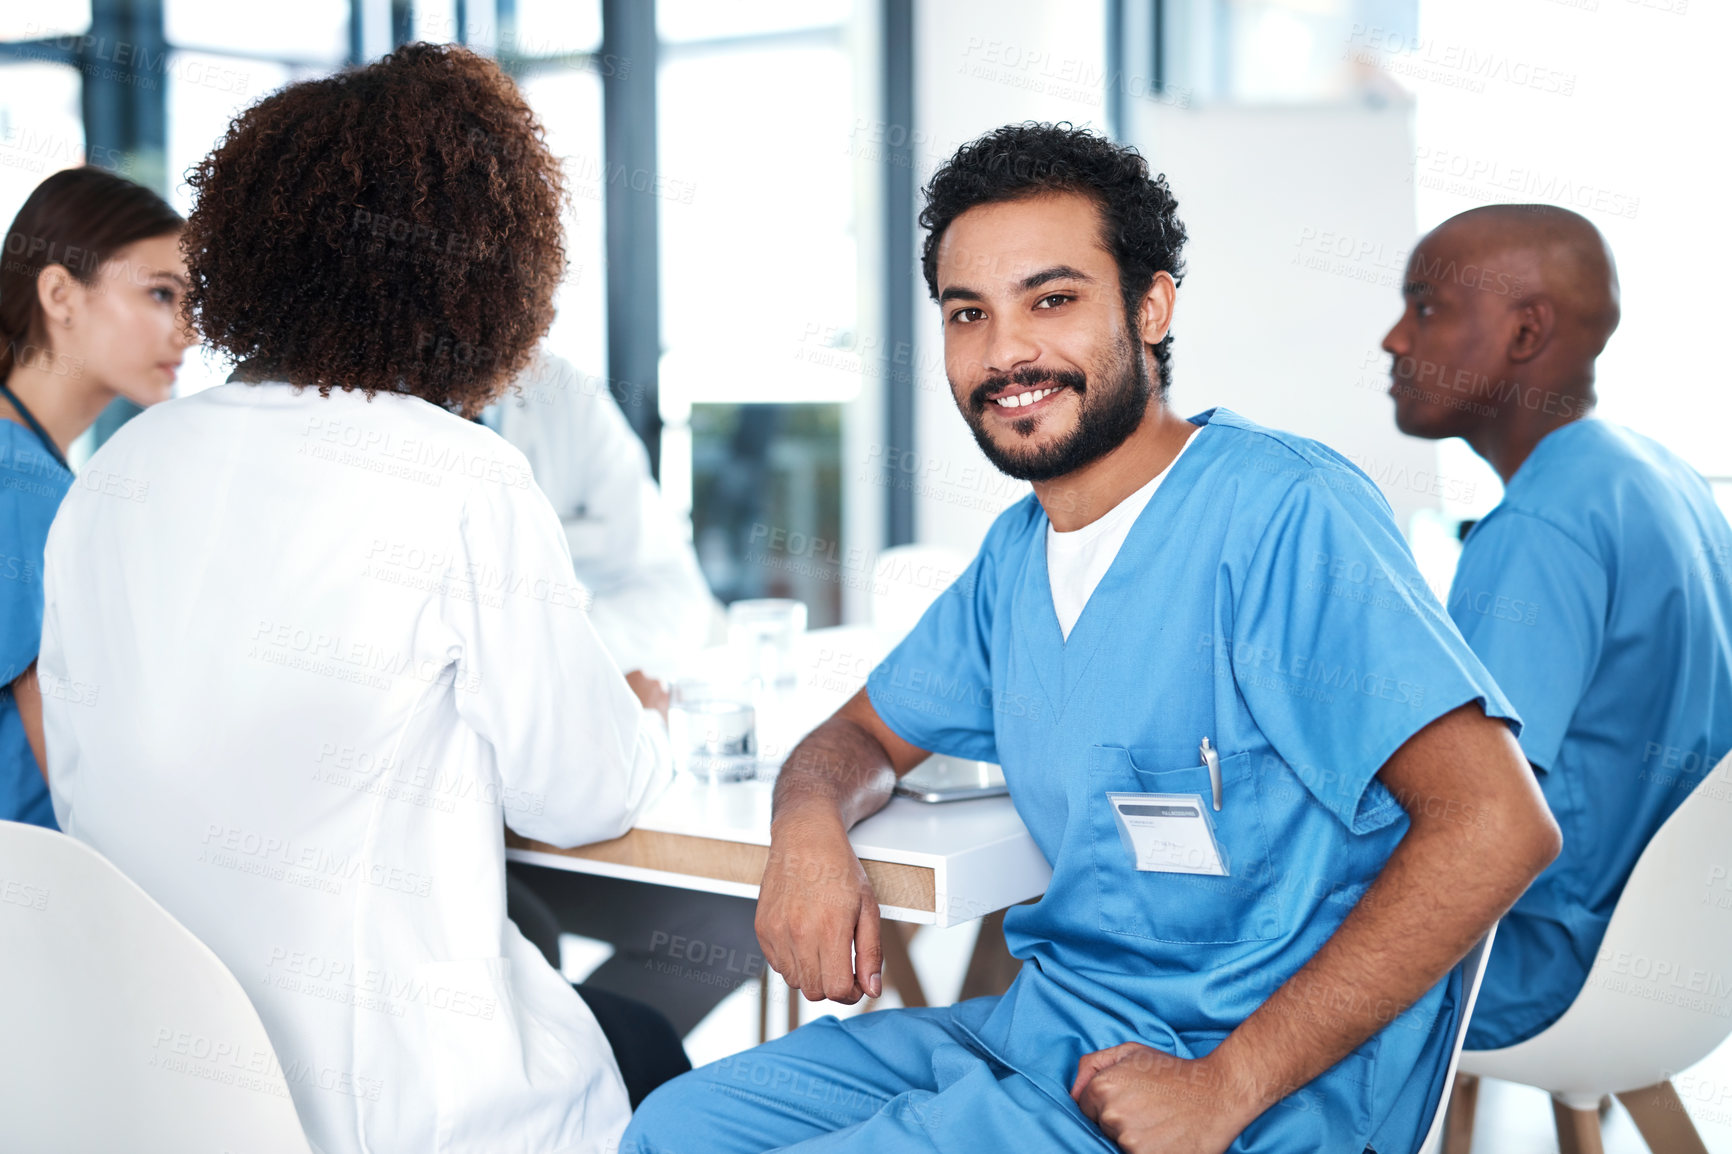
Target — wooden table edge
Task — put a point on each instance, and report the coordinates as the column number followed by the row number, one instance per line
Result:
column 896, row 884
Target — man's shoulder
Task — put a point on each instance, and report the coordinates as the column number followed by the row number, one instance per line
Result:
column 1588, row 477
column 1604, row 497
column 1261, row 468
column 1595, row 455
column 1008, row 538
column 1251, row 470
column 1014, row 526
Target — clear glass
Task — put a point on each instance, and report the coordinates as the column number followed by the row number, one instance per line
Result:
column 41, row 131
column 763, row 640
column 310, row 30
column 712, row 728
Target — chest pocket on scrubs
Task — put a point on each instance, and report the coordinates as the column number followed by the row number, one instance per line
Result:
column 1169, row 907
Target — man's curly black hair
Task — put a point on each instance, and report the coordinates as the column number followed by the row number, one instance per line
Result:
column 393, row 228
column 1139, row 217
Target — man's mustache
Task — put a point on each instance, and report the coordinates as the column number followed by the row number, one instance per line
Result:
column 1031, row 377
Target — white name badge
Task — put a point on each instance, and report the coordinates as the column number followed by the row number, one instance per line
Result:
column 1168, row 833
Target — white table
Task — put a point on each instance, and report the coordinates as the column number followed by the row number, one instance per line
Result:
column 929, row 864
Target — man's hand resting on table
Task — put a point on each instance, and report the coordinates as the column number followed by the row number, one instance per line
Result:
column 817, row 915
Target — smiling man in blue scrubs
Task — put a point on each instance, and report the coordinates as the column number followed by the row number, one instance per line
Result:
column 1598, row 592
column 1279, row 794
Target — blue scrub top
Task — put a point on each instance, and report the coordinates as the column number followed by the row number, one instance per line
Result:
column 1599, row 594
column 1264, row 599
column 31, row 486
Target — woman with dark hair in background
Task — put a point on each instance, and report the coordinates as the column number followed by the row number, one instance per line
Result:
column 90, row 296
column 341, row 646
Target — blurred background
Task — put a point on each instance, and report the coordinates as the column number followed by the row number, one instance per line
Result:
column 746, row 174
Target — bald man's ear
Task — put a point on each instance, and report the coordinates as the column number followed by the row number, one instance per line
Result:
column 1536, row 321
column 1155, row 313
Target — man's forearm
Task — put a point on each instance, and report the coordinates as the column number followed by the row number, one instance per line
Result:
column 817, row 915
column 1441, row 890
column 840, row 771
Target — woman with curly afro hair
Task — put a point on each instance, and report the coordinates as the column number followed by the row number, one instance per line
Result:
column 321, row 639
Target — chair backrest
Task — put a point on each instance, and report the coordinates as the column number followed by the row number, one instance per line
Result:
column 906, row 579
column 119, row 1030
column 1472, row 972
column 1659, row 995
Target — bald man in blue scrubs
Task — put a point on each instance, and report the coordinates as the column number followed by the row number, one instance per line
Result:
column 1597, row 592
column 1280, row 797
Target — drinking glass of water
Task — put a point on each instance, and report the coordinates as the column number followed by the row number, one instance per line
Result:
column 764, row 635
column 713, row 729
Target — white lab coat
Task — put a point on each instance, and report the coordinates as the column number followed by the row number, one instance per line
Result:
column 294, row 687
column 651, row 606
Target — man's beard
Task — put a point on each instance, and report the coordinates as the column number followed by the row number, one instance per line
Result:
column 1120, row 400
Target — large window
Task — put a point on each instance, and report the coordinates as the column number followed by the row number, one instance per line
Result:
column 1271, row 51
column 41, row 130
column 41, row 124
column 759, row 267
column 755, row 195
column 222, row 57
column 552, row 49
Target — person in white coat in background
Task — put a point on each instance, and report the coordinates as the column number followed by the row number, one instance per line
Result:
column 648, row 600
column 298, row 688
column 652, row 610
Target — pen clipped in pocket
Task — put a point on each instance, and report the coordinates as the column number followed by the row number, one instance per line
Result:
column 1200, row 904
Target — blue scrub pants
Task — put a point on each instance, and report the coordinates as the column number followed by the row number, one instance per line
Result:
column 890, row 1080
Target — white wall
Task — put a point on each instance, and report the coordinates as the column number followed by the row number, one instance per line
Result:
column 1300, row 222
column 1617, row 109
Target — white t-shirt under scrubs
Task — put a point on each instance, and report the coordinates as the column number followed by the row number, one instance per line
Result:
column 1076, row 561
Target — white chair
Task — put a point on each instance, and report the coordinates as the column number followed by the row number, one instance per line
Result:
column 1472, row 971
column 906, row 580
column 1658, row 997
column 119, row 1030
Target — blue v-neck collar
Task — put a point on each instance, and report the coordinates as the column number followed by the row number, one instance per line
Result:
column 1060, row 665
